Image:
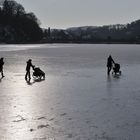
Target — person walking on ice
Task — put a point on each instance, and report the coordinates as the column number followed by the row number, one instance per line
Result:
column 1, row 66
column 110, row 62
column 28, row 67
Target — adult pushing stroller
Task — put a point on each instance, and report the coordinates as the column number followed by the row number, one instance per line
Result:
column 116, row 69
column 38, row 73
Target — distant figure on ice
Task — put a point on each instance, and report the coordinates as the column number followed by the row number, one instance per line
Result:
column 29, row 65
column 110, row 62
column 1, row 66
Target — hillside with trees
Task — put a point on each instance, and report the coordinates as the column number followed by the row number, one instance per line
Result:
column 119, row 33
column 16, row 25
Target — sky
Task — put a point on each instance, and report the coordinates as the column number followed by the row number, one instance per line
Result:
column 73, row 13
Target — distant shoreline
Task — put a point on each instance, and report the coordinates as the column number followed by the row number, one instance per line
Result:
column 85, row 42
column 65, row 42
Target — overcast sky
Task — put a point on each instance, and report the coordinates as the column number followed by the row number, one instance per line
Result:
column 70, row 13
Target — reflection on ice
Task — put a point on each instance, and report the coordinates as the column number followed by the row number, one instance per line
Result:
column 77, row 100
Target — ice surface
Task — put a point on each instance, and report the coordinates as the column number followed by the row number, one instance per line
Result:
column 77, row 100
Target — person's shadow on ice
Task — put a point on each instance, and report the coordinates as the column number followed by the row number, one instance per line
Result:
column 29, row 82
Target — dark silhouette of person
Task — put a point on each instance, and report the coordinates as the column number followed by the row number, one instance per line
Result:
column 28, row 67
column 1, row 66
column 110, row 62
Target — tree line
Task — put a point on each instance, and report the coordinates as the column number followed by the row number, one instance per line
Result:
column 18, row 26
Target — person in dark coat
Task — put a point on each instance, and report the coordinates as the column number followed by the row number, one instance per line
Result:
column 110, row 62
column 1, row 66
column 28, row 67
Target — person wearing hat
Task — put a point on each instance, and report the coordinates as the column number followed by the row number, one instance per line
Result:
column 28, row 66
column 1, row 66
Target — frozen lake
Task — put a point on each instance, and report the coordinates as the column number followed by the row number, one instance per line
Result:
column 77, row 100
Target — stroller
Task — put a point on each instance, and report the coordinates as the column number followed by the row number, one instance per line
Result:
column 38, row 73
column 116, row 69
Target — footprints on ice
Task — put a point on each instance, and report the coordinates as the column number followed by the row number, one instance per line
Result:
column 40, row 123
column 63, row 114
column 44, row 122
column 19, row 118
column 40, row 118
column 51, row 119
column 43, row 126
